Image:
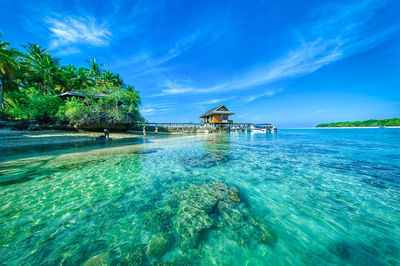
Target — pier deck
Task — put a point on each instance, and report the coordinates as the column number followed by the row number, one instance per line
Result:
column 228, row 126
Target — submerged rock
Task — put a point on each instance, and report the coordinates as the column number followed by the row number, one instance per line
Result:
column 230, row 215
column 158, row 221
column 158, row 245
column 187, row 218
column 213, row 206
column 207, row 160
column 99, row 259
column 234, row 195
column 131, row 255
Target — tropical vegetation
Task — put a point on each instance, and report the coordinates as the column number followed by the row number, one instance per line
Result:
column 366, row 123
column 32, row 81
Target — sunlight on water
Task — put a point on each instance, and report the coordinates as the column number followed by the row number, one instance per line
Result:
column 296, row 197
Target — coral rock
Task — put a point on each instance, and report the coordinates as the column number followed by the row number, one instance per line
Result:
column 158, row 245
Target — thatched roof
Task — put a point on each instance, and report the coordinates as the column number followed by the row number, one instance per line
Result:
column 220, row 110
column 73, row 93
column 69, row 94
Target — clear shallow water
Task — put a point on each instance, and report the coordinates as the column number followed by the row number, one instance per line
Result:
column 319, row 196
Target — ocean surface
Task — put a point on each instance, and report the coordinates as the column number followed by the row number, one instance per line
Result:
column 296, row 197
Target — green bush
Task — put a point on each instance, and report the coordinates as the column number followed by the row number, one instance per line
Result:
column 73, row 109
column 92, row 109
column 44, row 107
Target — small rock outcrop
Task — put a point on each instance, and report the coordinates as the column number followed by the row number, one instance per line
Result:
column 158, row 245
column 215, row 205
column 207, row 160
column 193, row 211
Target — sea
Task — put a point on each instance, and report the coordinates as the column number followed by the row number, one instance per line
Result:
column 295, row 197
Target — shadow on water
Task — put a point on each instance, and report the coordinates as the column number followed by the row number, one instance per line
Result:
column 381, row 175
column 353, row 253
column 44, row 149
column 216, row 151
column 21, row 171
column 44, row 163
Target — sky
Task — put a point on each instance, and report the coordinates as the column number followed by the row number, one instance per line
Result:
column 290, row 63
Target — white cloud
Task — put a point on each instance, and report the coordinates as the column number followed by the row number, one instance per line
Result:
column 173, row 87
column 77, row 30
column 342, row 33
column 268, row 93
column 213, row 101
column 149, row 109
column 67, row 51
column 304, row 60
column 144, row 63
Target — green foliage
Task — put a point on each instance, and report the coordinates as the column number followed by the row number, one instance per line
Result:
column 366, row 123
column 44, row 107
column 31, row 81
column 130, row 96
column 90, row 109
column 16, row 106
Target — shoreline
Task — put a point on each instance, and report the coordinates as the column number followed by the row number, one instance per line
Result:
column 10, row 139
column 18, row 139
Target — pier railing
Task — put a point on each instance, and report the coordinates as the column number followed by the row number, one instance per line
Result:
column 230, row 125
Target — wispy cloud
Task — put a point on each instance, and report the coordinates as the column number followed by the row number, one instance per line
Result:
column 219, row 100
column 268, row 93
column 149, row 109
column 77, row 30
column 318, row 112
column 340, row 34
column 170, row 87
column 145, row 62
column 67, row 51
column 70, row 25
column 174, row 87
column 304, row 60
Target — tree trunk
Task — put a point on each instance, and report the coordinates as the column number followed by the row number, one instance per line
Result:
column 1, row 94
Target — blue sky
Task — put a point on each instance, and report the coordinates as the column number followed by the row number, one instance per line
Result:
column 292, row 63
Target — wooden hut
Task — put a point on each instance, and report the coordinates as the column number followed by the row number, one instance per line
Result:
column 217, row 115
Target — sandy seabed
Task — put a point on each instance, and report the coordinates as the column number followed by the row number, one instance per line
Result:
column 18, row 139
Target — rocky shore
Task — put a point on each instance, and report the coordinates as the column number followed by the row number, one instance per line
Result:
column 93, row 125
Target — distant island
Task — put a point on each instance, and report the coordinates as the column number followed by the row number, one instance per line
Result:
column 367, row 123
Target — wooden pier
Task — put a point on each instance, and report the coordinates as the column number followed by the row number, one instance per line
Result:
column 195, row 127
column 190, row 124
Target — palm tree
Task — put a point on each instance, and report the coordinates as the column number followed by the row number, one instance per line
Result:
column 66, row 79
column 94, row 70
column 75, row 78
column 107, row 76
column 43, row 68
column 131, row 96
column 9, row 65
column 82, row 78
column 35, row 51
column 49, row 68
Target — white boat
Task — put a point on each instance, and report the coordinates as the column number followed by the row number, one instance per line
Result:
column 260, row 128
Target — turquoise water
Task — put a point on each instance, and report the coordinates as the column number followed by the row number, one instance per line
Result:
column 304, row 197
